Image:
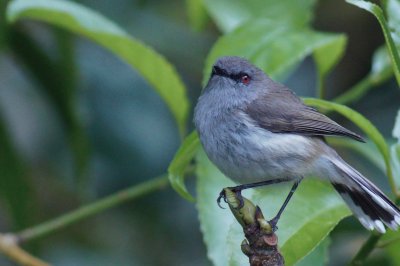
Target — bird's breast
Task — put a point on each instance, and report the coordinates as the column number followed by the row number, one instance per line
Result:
column 248, row 153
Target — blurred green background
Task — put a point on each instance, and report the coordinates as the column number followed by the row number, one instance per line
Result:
column 131, row 135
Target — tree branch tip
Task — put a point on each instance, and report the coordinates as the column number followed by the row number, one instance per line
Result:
column 8, row 239
column 261, row 243
column 10, row 248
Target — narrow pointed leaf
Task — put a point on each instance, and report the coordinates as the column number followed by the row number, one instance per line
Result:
column 182, row 159
column 90, row 24
column 274, row 47
column 326, row 57
column 229, row 14
column 197, row 13
column 381, row 68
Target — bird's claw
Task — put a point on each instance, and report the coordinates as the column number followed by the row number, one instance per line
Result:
column 222, row 195
column 238, row 197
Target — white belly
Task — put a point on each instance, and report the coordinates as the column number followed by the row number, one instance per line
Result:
column 262, row 155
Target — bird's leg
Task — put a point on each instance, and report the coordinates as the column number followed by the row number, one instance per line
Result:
column 238, row 189
column 273, row 222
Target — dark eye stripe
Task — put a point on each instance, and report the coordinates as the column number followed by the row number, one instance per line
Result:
column 219, row 72
column 238, row 77
column 222, row 72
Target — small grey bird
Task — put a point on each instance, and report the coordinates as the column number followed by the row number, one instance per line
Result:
column 258, row 132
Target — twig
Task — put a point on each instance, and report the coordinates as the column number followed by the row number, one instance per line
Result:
column 261, row 245
column 9, row 242
column 371, row 81
column 92, row 209
column 9, row 247
column 356, row 92
column 321, row 92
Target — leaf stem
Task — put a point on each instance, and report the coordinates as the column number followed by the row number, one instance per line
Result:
column 92, row 209
column 366, row 249
column 368, row 83
column 321, row 87
column 356, row 92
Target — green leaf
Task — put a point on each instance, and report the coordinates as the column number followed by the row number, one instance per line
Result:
column 83, row 21
column 197, row 13
column 378, row 13
column 390, row 243
column 275, row 48
column 319, row 256
column 183, row 157
column 393, row 13
column 364, row 124
column 326, row 57
column 381, row 69
column 313, row 212
column 391, row 246
column 229, row 14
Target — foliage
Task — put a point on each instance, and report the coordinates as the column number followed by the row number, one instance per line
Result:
column 178, row 166
column 393, row 8
column 258, row 31
column 303, row 225
column 277, row 47
column 369, row 129
column 80, row 20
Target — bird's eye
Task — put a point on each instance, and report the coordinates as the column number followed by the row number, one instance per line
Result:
column 245, row 79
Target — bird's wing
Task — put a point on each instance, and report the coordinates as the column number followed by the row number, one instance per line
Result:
column 281, row 111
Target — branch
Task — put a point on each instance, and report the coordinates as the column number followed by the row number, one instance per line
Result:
column 355, row 93
column 9, row 242
column 9, row 247
column 261, row 245
column 92, row 209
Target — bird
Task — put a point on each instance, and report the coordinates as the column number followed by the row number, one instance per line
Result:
column 259, row 132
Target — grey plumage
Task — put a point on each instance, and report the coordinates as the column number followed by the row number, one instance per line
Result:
column 286, row 113
column 254, row 129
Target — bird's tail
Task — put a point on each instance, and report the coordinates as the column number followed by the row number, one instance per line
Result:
column 367, row 202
